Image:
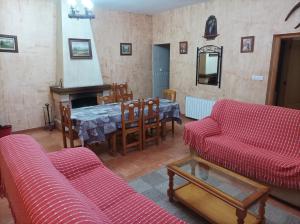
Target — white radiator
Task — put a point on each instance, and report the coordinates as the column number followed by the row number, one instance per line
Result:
column 197, row 108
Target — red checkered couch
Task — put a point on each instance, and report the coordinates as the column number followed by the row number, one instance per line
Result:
column 258, row 141
column 68, row 186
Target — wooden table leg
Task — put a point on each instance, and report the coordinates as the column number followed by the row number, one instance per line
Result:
column 171, row 185
column 261, row 211
column 241, row 215
column 114, row 143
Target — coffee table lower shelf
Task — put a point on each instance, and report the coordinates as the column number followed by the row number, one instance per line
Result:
column 209, row 206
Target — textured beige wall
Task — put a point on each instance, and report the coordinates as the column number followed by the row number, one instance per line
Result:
column 110, row 29
column 25, row 77
column 236, row 18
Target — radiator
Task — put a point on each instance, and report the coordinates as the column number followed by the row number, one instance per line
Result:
column 197, row 108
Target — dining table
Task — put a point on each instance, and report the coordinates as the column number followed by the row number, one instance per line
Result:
column 93, row 123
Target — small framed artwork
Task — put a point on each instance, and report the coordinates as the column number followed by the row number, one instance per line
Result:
column 183, row 47
column 247, row 44
column 8, row 43
column 80, row 48
column 125, row 49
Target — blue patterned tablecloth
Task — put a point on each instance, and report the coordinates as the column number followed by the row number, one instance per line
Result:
column 93, row 123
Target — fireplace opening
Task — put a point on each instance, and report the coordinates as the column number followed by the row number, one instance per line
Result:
column 83, row 100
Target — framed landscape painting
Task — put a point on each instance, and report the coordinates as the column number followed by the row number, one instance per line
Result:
column 126, row 49
column 8, row 43
column 80, row 48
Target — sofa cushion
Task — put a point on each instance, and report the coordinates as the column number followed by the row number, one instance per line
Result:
column 37, row 192
column 102, row 187
column 272, row 128
column 253, row 162
column 136, row 208
column 74, row 162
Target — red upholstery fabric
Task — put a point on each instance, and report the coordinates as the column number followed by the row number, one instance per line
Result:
column 69, row 186
column 37, row 192
column 138, row 209
column 74, row 162
column 196, row 132
column 272, row 128
column 258, row 141
column 113, row 189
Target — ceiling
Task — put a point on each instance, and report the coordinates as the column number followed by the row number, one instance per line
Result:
column 144, row 6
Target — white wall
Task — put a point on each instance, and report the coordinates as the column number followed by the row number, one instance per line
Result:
column 77, row 73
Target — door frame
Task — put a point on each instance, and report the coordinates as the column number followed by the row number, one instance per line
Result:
column 160, row 45
column 277, row 39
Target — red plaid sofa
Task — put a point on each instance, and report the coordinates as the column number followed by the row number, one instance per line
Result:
column 258, row 141
column 68, row 186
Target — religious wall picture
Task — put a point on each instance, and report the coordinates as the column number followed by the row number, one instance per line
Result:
column 211, row 28
column 125, row 49
column 80, row 48
column 8, row 43
column 247, row 44
column 183, row 47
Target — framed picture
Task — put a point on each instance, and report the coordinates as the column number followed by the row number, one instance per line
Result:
column 8, row 43
column 125, row 49
column 183, row 47
column 80, row 48
column 247, row 44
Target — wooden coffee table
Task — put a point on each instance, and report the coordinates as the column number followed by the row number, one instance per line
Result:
column 217, row 194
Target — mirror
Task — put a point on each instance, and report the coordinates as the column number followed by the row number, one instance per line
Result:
column 209, row 65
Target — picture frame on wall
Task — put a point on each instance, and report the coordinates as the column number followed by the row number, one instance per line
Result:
column 80, row 48
column 8, row 43
column 183, row 47
column 125, row 49
column 247, row 44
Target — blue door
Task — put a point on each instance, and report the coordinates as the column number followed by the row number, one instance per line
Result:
column 160, row 69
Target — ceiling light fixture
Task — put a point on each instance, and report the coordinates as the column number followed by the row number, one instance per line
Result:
column 75, row 12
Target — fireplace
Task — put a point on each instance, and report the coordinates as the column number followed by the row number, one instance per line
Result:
column 76, row 97
column 83, row 100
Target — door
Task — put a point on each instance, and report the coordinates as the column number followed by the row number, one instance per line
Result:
column 288, row 81
column 284, row 74
column 160, row 69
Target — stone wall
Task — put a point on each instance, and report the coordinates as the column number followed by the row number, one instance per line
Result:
column 112, row 28
column 236, row 18
column 25, row 77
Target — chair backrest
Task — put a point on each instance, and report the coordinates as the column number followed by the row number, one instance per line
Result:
column 65, row 113
column 120, row 88
column 170, row 94
column 131, row 114
column 150, row 110
column 125, row 97
column 105, row 99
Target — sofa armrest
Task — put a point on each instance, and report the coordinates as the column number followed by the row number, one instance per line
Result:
column 74, row 162
column 196, row 132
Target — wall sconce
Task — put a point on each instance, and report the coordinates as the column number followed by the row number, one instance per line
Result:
column 75, row 13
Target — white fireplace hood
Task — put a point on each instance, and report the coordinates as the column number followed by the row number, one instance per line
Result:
column 75, row 72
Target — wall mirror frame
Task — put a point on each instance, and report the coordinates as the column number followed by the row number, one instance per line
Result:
column 209, row 65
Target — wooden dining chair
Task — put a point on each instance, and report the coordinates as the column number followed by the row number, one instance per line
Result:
column 105, row 99
column 125, row 97
column 131, row 124
column 67, row 126
column 169, row 94
column 151, row 121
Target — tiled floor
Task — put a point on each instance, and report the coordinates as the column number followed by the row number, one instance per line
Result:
column 131, row 166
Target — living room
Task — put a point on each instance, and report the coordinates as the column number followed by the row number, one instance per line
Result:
column 215, row 84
